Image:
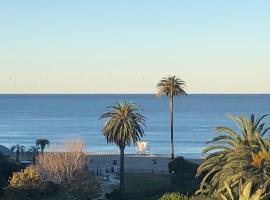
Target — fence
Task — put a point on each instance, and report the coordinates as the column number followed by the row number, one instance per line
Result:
column 103, row 171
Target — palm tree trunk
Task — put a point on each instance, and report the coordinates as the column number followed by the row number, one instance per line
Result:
column 122, row 172
column 171, row 112
column 34, row 157
column 42, row 150
column 17, row 156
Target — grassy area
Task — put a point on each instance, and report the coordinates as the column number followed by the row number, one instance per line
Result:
column 137, row 183
column 152, row 186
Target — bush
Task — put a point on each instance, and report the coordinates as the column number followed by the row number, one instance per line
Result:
column 69, row 169
column 182, row 169
column 27, row 184
column 180, row 166
column 237, row 154
column 178, row 196
column 59, row 175
column 28, row 178
column 7, row 167
column 172, row 196
column 114, row 195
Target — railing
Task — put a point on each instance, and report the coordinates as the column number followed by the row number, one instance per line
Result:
column 103, row 171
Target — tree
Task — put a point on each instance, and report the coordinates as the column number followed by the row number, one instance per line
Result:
column 18, row 149
column 69, row 169
column 235, row 155
column 62, row 167
column 171, row 86
column 7, row 167
column 124, row 126
column 34, row 150
column 42, row 142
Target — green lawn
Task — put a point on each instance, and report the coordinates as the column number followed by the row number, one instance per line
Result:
column 152, row 186
column 146, row 186
column 145, row 182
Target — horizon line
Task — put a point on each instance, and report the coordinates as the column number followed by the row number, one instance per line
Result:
column 111, row 93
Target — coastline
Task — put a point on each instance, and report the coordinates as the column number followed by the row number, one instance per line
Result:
column 134, row 163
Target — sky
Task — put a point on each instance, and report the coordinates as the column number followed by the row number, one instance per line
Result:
column 127, row 46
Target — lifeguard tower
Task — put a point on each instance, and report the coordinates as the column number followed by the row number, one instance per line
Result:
column 142, row 147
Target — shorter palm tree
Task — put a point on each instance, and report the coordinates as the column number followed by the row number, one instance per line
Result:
column 18, row 149
column 124, row 126
column 42, row 143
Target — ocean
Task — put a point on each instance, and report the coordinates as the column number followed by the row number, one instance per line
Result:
column 25, row 118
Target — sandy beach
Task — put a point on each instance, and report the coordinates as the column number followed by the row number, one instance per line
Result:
column 134, row 163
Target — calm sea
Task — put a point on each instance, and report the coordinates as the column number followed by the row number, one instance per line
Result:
column 24, row 118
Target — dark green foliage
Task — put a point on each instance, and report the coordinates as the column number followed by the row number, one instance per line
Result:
column 7, row 166
column 153, row 186
column 178, row 196
column 171, row 86
column 183, row 171
column 179, row 166
column 114, row 195
column 124, row 126
column 45, row 190
column 42, row 143
column 234, row 155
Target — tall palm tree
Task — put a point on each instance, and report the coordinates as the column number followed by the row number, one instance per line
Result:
column 42, row 143
column 18, row 149
column 124, row 125
column 171, row 86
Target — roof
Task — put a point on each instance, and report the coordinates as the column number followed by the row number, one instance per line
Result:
column 5, row 151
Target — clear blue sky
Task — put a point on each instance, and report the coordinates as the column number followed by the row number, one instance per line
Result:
column 111, row 46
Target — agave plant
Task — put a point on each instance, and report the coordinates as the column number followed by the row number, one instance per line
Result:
column 244, row 192
column 237, row 154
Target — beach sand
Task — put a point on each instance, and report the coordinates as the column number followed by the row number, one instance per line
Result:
column 134, row 163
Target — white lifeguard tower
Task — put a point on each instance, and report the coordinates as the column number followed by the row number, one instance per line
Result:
column 142, row 147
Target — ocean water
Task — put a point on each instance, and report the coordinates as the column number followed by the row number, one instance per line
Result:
column 24, row 118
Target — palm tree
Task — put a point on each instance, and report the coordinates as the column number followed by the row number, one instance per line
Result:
column 42, row 142
column 171, row 86
column 124, row 126
column 17, row 149
column 34, row 150
column 235, row 155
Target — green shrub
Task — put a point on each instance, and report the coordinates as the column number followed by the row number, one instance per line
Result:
column 173, row 196
column 178, row 196
column 241, row 153
column 114, row 195
column 180, row 166
column 183, row 171
column 27, row 184
column 7, row 167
